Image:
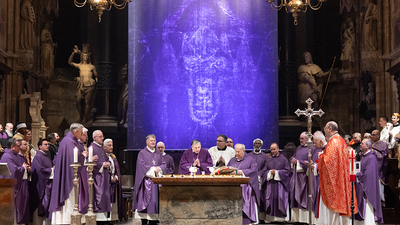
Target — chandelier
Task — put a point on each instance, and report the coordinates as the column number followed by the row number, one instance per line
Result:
column 295, row 6
column 101, row 5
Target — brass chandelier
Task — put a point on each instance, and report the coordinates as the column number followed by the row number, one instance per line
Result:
column 101, row 5
column 295, row 6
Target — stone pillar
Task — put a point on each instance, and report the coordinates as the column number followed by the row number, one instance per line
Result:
column 289, row 124
column 35, row 106
column 107, row 74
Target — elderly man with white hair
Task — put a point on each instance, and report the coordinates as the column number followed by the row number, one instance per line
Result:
column 170, row 165
column 247, row 167
column 101, row 176
column 261, row 159
column 117, row 204
column 319, row 144
column 63, row 196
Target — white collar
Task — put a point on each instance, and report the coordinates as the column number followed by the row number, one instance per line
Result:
column 151, row 150
column 164, row 153
column 332, row 136
column 97, row 144
column 367, row 152
column 256, row 152
column 21, row 154
column 43, row 152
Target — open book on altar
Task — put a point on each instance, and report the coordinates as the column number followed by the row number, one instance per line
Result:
column 224, row 170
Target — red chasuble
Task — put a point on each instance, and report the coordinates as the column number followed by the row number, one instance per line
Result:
column 334, row 174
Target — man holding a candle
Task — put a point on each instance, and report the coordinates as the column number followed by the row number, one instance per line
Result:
column 101, row 176
column 63, row 194
column 149, row 164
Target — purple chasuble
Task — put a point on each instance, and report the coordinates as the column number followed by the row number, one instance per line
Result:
column 83, row 182
column 117, row 187
column 299, row 180
column 101, row 185
column 251, row 190
column 315, row 182
column 367, row 187
column 64, row 173
column 169, row 164
column 41, row 184
column 189, row 157
column 261, row 158
column 21, row 191
column 381, row 151
column 145, row 197
column 276, row 193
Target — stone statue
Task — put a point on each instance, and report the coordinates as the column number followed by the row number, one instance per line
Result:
column 86, row 84
column 310, row 81
column 348, row 44
column 123, row 97
column 47, row 52
column 370, row 41
column 27, row 32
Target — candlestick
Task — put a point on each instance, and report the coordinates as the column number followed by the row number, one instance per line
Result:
column 90, row 159
column 76, row 216
column 75, row 155
column 90, row 216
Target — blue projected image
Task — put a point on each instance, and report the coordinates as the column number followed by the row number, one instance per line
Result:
column 199, row 68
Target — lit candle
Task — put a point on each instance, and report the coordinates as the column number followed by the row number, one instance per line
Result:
column 75, row 155
column 90, row 154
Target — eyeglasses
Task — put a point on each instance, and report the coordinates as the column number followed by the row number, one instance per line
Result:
column 228, row 141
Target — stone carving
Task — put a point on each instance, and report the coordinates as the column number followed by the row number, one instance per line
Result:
column 370, row 41
column 348, row 5
column 86, row 89
column 310, row 81
column 123, row 97
column 348, row 44
column 27, row 32
column 47, row 52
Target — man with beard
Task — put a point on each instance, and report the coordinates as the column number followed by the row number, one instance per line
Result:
column 221, row 154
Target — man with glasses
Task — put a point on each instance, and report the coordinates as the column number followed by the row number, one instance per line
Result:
column 41, row 183
column 299, row 182
column 221, row 154
column 229, row 142
column 381, row 152
column 19, row 168
column 169, row 161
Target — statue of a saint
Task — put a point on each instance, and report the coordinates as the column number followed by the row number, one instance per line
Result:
column 47, row 52
column 86, row 83
column 348, row 43
column 310, row 81
column 370, row 27
column 123, row 97
column 27, row 32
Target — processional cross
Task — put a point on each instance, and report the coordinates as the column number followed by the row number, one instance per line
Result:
column 309, row 113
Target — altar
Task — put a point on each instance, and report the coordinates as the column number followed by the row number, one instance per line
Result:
column 200, row 199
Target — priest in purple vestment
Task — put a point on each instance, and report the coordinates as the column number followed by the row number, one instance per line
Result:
column 381, row 151
column 41, row 183
column 299, row 182
column 195, row 160
column 149, row 164
column 275, row 183
column 261, row 158
column 117, row 202
column 62, row 199
column 247, row 167
column 169, row 161
column 367, row 187
column 319, row 143
column 83, row 181
column 101, row 176
column 19, row 168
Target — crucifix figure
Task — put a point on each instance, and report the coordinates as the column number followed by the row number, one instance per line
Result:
column 309, row 113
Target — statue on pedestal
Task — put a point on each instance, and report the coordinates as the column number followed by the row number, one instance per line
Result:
column 370, row 39
column 47, row 52
column 27, row 32
column 348, row 44
column 310, row 81
column 86, row 88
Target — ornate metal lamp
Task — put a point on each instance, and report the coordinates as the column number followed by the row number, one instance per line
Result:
column 101, row 5
column 295, row 6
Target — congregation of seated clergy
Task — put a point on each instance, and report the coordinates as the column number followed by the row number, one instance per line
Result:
column 277, row 191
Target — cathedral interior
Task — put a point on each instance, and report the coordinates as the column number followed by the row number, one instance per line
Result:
column 47, row 45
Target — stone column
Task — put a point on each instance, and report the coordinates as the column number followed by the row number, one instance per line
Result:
column 107, row 73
